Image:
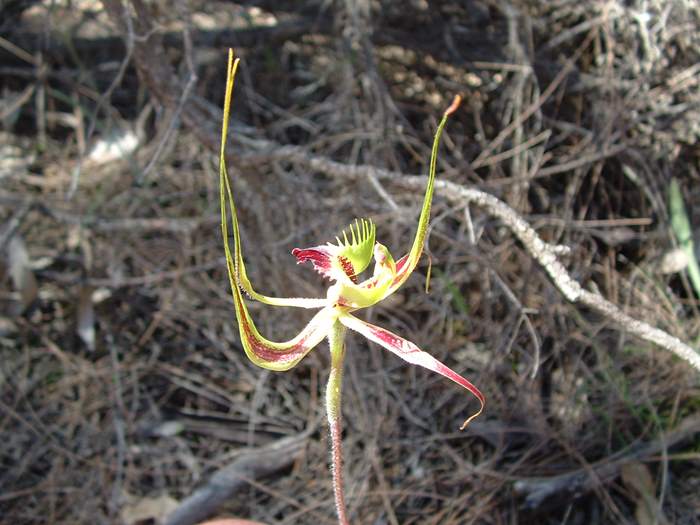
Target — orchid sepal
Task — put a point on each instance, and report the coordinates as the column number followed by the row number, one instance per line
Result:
column 410, row 353
column 388, row 275
column 281, row 356
column 238, row 276
column 261, row 351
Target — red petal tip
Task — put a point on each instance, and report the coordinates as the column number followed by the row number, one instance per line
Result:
column 320, row 259
column 455, row 104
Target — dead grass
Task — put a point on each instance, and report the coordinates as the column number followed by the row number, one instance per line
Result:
column 577, row 114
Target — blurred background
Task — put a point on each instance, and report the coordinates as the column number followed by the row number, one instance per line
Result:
column 123, row 385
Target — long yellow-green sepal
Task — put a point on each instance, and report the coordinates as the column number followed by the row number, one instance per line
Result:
column 261, row 351
column 407, row 263
column 236, row 266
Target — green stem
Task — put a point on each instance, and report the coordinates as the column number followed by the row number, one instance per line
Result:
column 684, row 232
column 336, row 340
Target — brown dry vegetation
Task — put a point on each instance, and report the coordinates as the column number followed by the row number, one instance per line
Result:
column 123, row 385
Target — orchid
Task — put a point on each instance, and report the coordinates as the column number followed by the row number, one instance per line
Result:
column 342, row 263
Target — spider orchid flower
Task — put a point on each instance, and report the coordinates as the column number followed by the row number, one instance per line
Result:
column 342, row 263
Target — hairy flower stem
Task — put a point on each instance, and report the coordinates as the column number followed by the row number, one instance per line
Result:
column 336, row 340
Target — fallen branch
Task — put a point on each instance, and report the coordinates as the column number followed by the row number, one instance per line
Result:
column 225, row 482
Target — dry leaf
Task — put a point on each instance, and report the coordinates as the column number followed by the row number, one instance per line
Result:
column 118, row 145
column 673, row 261
column 139, row 510
column 86, row 317
column 21, row 274
column 638, row 479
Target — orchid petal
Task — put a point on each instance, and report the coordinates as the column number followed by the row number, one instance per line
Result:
column 234, row 261
column 410, row 353
column 370, row 291
column 406, row 265
column 388, row 275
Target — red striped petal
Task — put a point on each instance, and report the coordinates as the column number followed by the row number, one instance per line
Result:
column 410, row 353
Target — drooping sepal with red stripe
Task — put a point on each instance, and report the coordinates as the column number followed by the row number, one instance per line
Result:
column 285, row 355
column 410, row 353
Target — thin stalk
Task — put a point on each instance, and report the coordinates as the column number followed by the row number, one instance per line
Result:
column 336, row 340
column 684, row 232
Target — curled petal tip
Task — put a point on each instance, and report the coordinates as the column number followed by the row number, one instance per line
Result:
column 473, row 416
column 455, row 104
